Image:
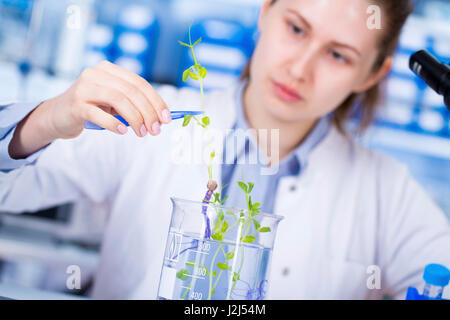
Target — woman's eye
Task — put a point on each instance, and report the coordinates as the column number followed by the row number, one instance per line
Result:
column 338, row 56
column 296, row 29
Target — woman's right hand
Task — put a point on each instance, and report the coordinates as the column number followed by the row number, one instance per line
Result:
column 101, row 92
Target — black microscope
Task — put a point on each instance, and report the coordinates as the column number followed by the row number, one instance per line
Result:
column 435, row 74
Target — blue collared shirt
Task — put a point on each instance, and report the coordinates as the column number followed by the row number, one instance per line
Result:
column 10, row 116
column 241, row 169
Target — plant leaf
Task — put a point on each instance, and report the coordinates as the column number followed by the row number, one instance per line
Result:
column 190, row 263
column 183, row 274
column 205, row 121
column 221, row 216
column 229, row 255
column 184, row 44
column 187, row 119
column 223, row 200
column 193, row 75
column 264, row 229
column 243, row 186
column 256, row 205
column 196, row 42
column 256, row 223
column 249, row 239
column 224, row 227
column 213, row 154
column 203, row 72
column 222, row 266
column 236, row 276
column 217, row 227
column 250, row 187
column 217, row 237
column 185, row 75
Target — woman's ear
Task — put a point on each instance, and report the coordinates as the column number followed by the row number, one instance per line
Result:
column 265, row 6
column 377, row 76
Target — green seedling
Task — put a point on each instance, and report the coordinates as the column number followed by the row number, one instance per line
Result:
column 221, row 227
column 198, row 73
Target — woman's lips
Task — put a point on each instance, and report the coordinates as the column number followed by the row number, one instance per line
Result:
column 286, row 93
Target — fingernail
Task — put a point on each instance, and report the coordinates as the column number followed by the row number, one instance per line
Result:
column 143, row 130
column 156, row 128
column 166, row 115
column 122, row 129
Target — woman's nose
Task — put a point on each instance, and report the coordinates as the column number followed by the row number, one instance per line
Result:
column 303, row 62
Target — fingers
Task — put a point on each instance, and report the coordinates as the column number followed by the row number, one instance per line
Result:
column 95, row 95
column 102, row 88
column 143, row 86
column 103, row 119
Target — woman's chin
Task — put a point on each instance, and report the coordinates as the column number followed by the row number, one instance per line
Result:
column 284, row 112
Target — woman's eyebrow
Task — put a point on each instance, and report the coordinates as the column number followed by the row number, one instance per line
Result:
column 308, row 25
column 301, row 18
column 348, row 47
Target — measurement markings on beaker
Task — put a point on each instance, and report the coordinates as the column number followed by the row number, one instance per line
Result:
column 201, row 252
column 192, row 276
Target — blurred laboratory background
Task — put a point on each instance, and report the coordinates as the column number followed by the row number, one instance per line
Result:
column 44, row 45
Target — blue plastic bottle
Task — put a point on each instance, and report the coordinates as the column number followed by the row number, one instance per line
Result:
column 436, row 278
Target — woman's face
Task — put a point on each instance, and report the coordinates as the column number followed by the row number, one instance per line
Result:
column 311, row 55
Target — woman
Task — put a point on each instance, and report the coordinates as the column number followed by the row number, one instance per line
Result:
column 348, row 211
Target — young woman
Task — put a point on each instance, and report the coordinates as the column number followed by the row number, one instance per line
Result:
column 356, row 224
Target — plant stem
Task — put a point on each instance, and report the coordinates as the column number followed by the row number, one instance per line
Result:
column 198, row 121
column 211, row 272
column 223, row 250
column 242, row 260
column 254, row 232
column 204, row 209
column 181, row 252
column 238, row 273
column 185, row 292
column 248, row 221
column 232, row 226
column 217, row 280
column 192, row 48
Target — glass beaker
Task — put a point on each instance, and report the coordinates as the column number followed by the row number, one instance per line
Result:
column 216, row 252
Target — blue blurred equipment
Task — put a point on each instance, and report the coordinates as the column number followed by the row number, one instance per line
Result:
column 435, row 74
column 25, row 65
column 175, row 115
column 436, row 278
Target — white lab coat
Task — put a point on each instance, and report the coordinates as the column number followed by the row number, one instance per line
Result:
column 352, row 208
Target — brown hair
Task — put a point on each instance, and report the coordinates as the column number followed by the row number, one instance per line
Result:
column 364, row 105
